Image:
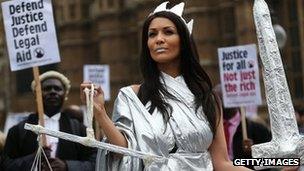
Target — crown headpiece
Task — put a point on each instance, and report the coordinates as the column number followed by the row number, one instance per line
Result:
column 177, row 10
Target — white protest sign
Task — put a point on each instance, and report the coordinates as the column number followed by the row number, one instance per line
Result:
column 239, row 73
column 99, row 75
column 30, row 33
column 13, row 119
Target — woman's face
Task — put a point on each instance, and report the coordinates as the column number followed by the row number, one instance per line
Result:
column 163, row 41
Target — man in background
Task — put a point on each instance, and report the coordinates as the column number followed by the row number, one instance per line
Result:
column 237, row 147
column 21, row 145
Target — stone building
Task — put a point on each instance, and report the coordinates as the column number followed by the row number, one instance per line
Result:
column 108, row 32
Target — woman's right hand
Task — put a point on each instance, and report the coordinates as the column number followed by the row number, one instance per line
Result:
column 98, row 97
column 113, row 135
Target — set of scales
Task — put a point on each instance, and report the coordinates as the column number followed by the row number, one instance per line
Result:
column 286, row 141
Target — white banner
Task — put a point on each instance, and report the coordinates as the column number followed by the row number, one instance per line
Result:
column 99, row 75
column 13, row 119
column 30, row 33
column 239, row 73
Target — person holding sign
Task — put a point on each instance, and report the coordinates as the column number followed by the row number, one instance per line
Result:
column 257, row 134
column 21, row 145
column 173, row 113
column 237, row 147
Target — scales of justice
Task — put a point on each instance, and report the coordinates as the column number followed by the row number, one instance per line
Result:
column 286, row 141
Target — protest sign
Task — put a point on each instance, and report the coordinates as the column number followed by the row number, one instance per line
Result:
column 99, row 75
column 239, row 73
column 30, row 33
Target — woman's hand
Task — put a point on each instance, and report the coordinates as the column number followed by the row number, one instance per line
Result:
column 113, row 135
column 98, row 97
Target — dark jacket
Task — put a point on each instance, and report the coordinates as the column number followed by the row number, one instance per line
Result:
column 21, row 146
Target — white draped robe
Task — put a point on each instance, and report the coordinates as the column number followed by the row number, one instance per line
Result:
column 187, row 129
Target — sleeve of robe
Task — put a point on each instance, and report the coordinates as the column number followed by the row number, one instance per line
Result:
column 122, row 118
column 12, row 159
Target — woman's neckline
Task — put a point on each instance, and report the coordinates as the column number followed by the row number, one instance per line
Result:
column 170, row 76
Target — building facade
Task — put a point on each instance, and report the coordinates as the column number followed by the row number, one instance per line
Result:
column 109, row 32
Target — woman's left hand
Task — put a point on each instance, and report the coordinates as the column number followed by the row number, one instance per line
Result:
column 98, row 97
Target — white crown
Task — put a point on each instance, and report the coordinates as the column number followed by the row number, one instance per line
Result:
column 177, row 10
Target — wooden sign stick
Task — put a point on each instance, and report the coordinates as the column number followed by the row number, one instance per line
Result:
column 39, row 102
column 247, row 143
column 243, row 121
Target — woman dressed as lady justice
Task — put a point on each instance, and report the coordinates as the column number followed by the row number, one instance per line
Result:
column 173, row 113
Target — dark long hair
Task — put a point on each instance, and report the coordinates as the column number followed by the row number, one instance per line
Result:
column 195, row 77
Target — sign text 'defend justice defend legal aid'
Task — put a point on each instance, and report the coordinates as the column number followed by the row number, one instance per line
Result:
column 30, row 33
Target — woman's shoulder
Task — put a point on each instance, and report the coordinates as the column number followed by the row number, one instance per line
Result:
column 133, row 87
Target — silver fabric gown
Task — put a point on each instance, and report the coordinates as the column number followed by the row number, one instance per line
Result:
column 187, row 129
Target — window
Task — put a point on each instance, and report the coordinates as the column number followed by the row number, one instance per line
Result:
column 100, row 4
column 85, row 10
column 111, row 3
column 59, row 14
column 227, row 27
column 295, row 73
column 293, row 12
column 121, row 3
column 72, row 8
